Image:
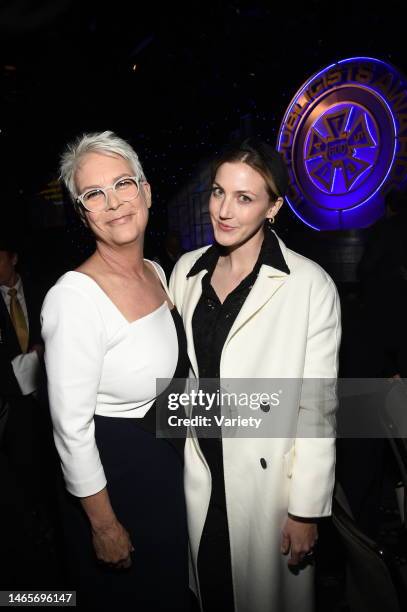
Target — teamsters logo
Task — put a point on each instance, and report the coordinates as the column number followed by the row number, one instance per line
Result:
column 344, row 138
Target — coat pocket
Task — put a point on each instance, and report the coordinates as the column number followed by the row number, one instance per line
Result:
column 289, row 461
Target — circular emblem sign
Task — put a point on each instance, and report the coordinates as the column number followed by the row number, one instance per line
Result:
column 344, row 139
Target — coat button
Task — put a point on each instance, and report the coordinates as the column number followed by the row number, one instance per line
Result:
column 263, row 463
column 265, row 406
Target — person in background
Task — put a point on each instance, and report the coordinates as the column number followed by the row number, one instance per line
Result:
column 252, row 308
column 21, row 351
column 25, row 445
column 110, row 331
column 21, row 345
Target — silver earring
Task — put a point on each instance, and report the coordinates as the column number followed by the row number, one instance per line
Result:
column 271, row 220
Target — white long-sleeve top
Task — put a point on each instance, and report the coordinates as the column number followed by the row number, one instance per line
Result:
column 98, row 363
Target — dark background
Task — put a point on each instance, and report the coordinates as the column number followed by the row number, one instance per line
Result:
column 176, row 81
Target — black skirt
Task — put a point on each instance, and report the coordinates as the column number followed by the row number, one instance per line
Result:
column 145, row 486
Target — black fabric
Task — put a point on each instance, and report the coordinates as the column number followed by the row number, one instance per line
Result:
column 213, row 320
column 145, row 485
column 214, row 564
column 211, row 324
column 157, row 416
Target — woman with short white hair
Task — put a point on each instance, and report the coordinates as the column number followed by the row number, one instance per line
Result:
column 110, row 331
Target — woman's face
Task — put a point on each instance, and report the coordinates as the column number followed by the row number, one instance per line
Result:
column 239, row 204
column 122, row 222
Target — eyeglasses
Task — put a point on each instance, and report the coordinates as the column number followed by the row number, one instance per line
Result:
column 96, row 200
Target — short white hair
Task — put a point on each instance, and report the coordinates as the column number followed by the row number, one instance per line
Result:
column 107, row 143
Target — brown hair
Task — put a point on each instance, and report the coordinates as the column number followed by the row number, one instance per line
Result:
column 261, row 157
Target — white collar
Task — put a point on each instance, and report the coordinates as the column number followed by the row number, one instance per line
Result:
column 18, row 286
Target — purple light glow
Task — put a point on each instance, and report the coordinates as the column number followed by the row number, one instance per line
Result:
column 339, row 136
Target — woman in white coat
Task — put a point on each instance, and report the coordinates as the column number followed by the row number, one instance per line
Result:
column 252, row 308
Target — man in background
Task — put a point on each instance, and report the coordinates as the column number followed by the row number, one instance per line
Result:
column 21, row 353
column 25, row 444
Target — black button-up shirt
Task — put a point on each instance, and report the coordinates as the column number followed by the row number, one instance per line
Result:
column 211, row 324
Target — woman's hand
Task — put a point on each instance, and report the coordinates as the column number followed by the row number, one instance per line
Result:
column 111, row 541
column 298, row 538
column 113, row 546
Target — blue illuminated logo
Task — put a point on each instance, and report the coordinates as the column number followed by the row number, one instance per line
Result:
column 342, row 138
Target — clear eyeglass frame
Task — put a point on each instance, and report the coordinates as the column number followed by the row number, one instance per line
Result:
column 81, row 198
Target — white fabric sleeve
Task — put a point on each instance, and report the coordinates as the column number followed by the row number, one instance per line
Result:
column 75, row 340
column 313, row 471
column 26, row 370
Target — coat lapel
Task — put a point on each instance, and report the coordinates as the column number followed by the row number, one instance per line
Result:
column 269, row 281
column 193, row 293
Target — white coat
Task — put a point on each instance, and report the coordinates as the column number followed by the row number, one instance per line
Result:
column 288, row 327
